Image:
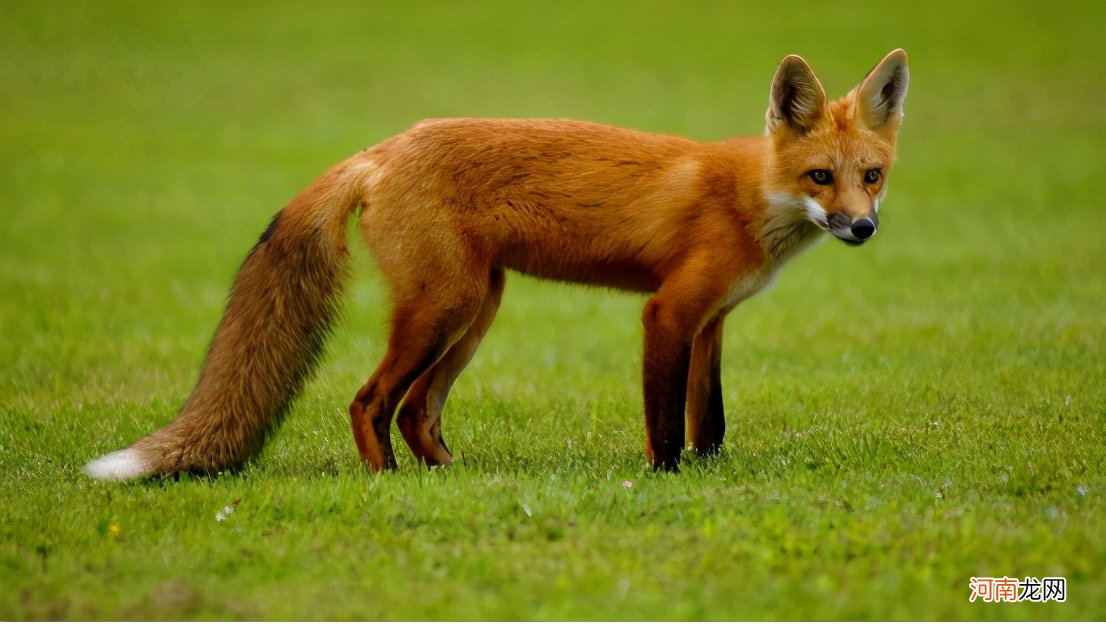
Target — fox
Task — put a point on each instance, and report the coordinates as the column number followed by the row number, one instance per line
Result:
column 450, row 206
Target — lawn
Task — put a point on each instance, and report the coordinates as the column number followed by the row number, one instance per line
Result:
column 902, row 417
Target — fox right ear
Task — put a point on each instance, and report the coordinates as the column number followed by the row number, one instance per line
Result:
column 797, row 98
column 879, row 98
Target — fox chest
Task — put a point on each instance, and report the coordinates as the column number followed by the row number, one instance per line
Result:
column 778, row 252
column 749, row 285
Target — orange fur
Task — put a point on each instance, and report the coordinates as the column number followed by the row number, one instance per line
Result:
column 449, row 205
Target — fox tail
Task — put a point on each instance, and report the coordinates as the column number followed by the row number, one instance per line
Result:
column 280, row 310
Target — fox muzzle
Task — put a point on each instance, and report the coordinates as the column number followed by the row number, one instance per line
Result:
column 853, row 231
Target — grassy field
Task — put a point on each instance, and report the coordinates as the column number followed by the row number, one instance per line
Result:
column 902, row 416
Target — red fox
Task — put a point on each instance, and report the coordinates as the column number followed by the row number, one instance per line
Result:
column 450, row 205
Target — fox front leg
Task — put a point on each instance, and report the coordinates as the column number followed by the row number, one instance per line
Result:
column 706, row 421
column 672, row 319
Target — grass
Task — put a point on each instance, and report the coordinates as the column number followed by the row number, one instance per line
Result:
column 902, row 417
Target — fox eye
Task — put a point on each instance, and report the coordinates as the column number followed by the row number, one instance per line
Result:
column 821, row 176
column 873, row 175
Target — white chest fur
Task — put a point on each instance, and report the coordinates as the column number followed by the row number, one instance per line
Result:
column 793, row 223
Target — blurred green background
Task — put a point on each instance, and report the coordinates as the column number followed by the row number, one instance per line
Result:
column 144, row 146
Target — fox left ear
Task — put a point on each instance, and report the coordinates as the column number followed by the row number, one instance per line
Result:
column 879, row 98
column 796, row 99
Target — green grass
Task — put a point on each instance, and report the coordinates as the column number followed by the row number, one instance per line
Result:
column 902, row 416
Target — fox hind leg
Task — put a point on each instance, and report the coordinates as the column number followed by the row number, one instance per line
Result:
column 420, row 414
column 424, row 327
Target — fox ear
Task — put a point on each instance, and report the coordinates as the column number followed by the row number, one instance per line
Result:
column 879, row 98
column 797, row 98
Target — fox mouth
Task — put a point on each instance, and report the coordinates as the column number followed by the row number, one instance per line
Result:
column 841, row 233
column 845, row 236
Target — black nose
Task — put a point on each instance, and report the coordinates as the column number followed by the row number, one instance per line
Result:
column 863, row 229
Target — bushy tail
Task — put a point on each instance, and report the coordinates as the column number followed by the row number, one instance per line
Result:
column 280, row 310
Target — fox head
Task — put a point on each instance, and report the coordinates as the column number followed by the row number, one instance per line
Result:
column 830, row 160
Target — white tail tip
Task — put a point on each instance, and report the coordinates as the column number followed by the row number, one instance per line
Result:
column 118, row 466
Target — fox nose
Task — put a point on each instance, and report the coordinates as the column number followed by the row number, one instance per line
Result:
column 863, row 228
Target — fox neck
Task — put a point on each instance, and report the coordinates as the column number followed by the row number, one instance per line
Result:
column 788, row 227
